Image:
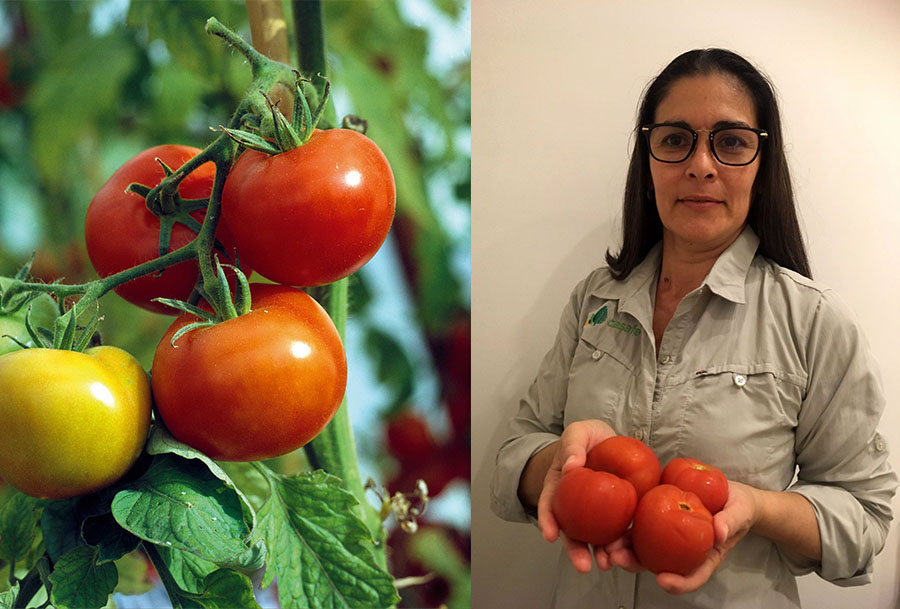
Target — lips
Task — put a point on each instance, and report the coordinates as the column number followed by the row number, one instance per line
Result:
column 699, row 199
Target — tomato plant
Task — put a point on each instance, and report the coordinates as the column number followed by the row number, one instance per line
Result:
column 73, row 423
column 314, row 214
column 121, row 232
column 672, row 530
column 593, row 507
column 256, row 386
column 12, row 323
column 627, row 458
column 705, row 481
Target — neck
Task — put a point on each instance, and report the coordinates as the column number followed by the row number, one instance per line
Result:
column 685, row 266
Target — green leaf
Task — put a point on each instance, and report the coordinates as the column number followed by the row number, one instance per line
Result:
column 162, row 442
column 80, row 582
column 393, row 368
column 318, row 548
column 8, row 598
column 188, row 570
column 225, row 589
column 61, row 526
column 18, row 526
column 112, row 541
column 181, row 504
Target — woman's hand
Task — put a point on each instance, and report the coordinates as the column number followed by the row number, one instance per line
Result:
column 730, row 525
column 576, row 440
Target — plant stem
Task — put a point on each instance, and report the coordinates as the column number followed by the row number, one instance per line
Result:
column 162, row 568
column 29, row 586
column 334, row 450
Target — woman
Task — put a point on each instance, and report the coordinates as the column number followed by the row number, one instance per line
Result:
column 705, row 337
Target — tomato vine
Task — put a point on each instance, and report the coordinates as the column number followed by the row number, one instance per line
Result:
column 196, row 519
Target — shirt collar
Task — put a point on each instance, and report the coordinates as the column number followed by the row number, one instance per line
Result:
column 729, row 274
column 726, row 278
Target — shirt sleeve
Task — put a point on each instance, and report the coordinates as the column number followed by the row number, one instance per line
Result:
column 539, row 420
column 843, row 460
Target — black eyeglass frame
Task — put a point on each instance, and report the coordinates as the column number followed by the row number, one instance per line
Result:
column 762, row 134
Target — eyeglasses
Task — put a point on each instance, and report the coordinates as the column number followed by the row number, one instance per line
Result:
column 730, row 145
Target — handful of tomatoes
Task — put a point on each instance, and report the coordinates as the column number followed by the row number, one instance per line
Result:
column 670, row 510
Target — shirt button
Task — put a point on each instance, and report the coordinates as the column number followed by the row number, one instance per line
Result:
column 639, row 434
column 879, row 445
column 740, row 380
column 596, row 354
column 667, row 359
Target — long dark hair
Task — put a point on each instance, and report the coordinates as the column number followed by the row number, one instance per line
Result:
column 772, row 215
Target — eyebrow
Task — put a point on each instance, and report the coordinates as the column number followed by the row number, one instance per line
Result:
column 718, row 125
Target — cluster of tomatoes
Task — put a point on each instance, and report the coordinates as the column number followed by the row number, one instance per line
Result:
column 670, row 510
column 247, row 388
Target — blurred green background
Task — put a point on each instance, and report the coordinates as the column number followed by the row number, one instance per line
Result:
column 85, row 85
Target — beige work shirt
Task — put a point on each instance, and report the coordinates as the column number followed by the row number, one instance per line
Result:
column 762, row 373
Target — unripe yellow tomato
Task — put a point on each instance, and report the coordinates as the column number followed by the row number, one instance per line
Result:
column 70, row 423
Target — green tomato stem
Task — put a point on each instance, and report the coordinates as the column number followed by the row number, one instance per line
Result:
column 334, row 449
column 29, row 586
column 165, row 575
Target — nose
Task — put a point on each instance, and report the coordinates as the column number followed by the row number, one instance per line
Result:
column 701, row 163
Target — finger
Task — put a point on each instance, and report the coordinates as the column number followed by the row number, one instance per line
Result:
column 602, row 559
column 546, row 521
column 673, row 583
column 625, row 558
column 579, row 554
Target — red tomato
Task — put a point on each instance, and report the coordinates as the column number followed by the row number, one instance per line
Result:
column 627, row 458
column 705, row 481
column 408, row 437
column 672, row 530
column 314, row 214
column 254, row 387
column 593, row 507
column 120, row 232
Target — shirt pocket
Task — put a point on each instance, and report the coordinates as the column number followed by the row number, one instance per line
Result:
column 742, row 418
column 599, row 380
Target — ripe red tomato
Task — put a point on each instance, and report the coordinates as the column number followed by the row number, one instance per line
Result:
column 314, row 214
column 408, row 437
column 120, row 232
column 627, row 458
column 593, row 507
column 705, row 481
column 672, row 531
column 254, row 387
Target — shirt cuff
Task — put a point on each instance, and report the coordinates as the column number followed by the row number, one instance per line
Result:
column 511, row 460
column 842, row 536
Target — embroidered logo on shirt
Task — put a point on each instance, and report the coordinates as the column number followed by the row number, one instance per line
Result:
column 600, row 316
column 597, row 318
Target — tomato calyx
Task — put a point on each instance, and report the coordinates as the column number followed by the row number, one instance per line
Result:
column 278, row 134
column 224, row 307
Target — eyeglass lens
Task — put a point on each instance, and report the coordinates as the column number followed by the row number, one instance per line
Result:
column 735, row 146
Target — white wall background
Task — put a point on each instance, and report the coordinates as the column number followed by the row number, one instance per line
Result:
column 555, row 92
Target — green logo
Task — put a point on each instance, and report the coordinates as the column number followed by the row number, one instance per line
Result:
column 600, row 316
column 597, row 318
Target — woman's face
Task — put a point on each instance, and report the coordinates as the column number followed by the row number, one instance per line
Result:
column 702, row 203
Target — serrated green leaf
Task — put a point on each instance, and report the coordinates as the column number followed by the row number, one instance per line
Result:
column 180, row 503
column 162, row 442
column 18, row 526
column 80, row 582
column 8, row 598
column 319, row 549
column 61, row 527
